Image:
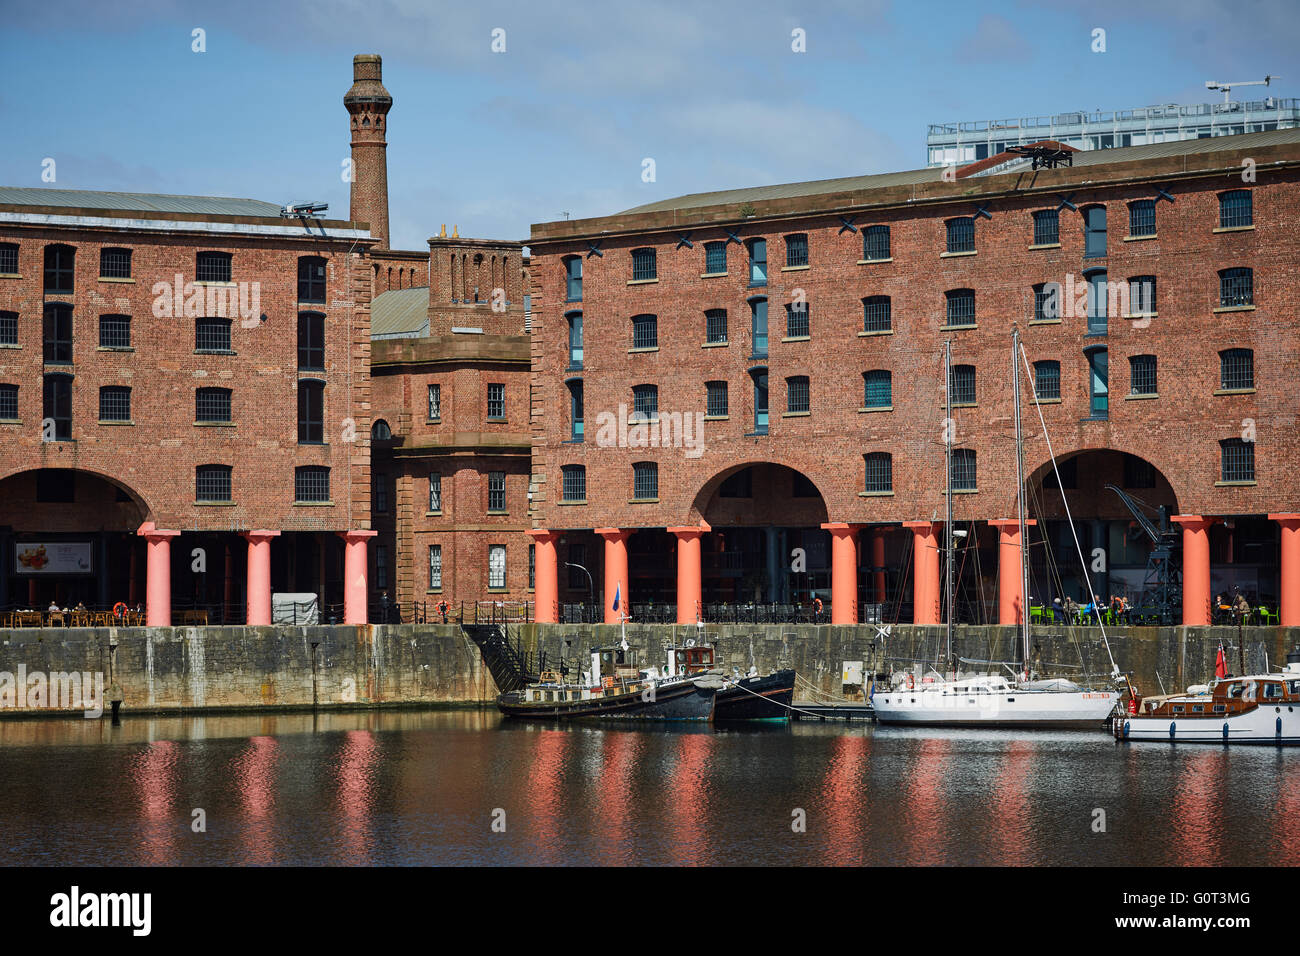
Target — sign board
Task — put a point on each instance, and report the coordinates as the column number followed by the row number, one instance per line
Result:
column 852, row 673
column 53, row 557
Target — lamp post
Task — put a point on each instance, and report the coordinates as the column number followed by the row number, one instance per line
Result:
column 591, row 585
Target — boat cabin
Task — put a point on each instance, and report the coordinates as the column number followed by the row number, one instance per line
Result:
column 689, row 660
column 1234, row 695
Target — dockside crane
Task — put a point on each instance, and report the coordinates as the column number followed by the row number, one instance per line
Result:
column 1162, row 587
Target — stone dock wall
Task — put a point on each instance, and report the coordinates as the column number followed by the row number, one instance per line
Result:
column 209, row 669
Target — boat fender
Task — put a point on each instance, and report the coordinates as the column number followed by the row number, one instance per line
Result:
column 1225, row 730
column 1172, row 726
column 1126, row 726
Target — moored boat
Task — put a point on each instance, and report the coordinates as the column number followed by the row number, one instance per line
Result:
column 751, row 697
column 993, row 701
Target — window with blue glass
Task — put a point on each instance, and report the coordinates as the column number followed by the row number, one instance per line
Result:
column 1098, row 383
column 1236, row 209
column 876, row 314
column 1094, row 232
column 575, row 339
column 875, row 243
column 758, row 310
column 759, row 377
column 877, row 389
column 1098, row 306
column 961, row 306
column 961, row 234
column 573, row 278
column 643, row 265
column 1142, row 217
column 715, row 258
column 576, row 414
column 757, row 262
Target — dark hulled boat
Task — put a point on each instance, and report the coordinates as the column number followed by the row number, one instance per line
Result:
column 741, row 698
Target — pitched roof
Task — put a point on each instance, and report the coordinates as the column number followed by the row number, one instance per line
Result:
column 137, row 202
column 400, row 314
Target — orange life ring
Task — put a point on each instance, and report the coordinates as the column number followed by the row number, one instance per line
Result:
column 911, row 682
column 609, row 682
column 119, row 609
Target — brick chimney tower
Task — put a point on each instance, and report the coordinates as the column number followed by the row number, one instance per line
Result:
column 368, row 103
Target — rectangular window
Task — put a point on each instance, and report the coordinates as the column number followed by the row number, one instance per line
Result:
column 115, row 403
column 114, row 331
column 435, row 491
column 435, row 402
column 212, row 483
column 1094, row 232
column 796, row 320
column 212, row 267
column 1142, row 218
column 496, row 401
column 645, row 480
column 379, row 491
column 496, row 491
column 59, row 262
column 1099, row 383
column 1047, row 301
column 1142, row 295
column 1236, row 209
column 760, row 402
column 212, row 405
column 880, row 472
column 381, row 566
column 1143, row 374
column 1098, row 306
column 497, row 566
column 311, row 279
column 961, row 385
column 1238, row 459
column 1236, row 287
column 58, row 333
column 796, row 251
column 875, row 243
column 757, row 262
column 1047, row 227
column 715, row 258
column 961, row 307
column 212, row 335
column 57, row 404
column 758, row 315
column 574, row 482
column 435, row 567
column 877, row 389
column 573, row 278
column 645, row 401
column 645, row 332
column 797, row 398
column 311, row 412
column 8, row 258
column 644, row 265
column 877, row 314
column 311, row 341
column 716, row 405
column 311, row 483
column 8, row 403
column 1237, row 369
column 961, row 234
column 715, row 326
column 8, row 328
column 963, row 469
column 575, row 340
column 1047, row 379
column 532, row 567
column 114, row 264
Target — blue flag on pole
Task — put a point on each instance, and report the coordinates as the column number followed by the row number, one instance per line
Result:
column 618, row 592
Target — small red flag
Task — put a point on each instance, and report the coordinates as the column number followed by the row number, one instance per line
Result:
column 1220, row 666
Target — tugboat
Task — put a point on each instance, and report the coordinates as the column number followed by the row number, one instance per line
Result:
column 741, row 698
column 1254, row 709
column 615, row 688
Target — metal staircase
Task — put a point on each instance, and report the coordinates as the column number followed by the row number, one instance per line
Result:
column 511, row 667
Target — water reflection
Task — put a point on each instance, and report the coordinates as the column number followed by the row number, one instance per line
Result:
column 422, row 788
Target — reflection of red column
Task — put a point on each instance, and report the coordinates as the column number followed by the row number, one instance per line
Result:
column 690, row 587
column 1011, row 598
column 1196, row 811
column 354, row 575
column 259, row 577
column 153, row 774
column 546, row 577
column 878, row 565
column 844, row 572
column 615, row 845
column 356, row 796
column 925, row 573
column 254, row 773
column 1196, row 569
column 158, row 590
column 846, row 817
column 1290, row 571
column 687, row 796
column 615, row 572
column 927, row 830
column 1010, row 806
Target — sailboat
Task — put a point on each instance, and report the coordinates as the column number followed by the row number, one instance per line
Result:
column 992, row 700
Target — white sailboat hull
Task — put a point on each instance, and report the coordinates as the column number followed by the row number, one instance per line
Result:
column 1266, row 724
column 1013, row 708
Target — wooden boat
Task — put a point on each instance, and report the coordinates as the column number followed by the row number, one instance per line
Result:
column 614, row 688
column 751, row 697
column 1254, row 709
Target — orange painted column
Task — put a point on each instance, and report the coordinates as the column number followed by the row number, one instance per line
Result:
column 690, row 586
column 878, row 565
column 1290, row 572
column 925, row 571
column 259, row 577
column 354, row 575
column 546, row 577
column 1011, row 598
column 844, row 572
column 615, row 572
column 158, row 575
column 1196, row 569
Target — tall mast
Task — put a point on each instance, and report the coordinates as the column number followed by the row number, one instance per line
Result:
column 1020, row 499
column 948, row 427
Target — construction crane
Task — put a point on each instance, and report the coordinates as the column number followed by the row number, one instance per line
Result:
column 1162, row 587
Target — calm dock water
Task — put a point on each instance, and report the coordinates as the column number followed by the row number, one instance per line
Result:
column 426, row 788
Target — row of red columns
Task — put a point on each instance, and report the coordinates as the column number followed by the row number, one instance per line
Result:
column 158, row 593
column 925, row 561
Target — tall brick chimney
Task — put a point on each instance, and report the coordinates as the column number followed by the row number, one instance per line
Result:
column 368, row 104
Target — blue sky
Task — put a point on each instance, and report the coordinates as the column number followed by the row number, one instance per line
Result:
column 584, row 92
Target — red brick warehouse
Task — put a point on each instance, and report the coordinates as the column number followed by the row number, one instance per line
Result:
column 803, row 328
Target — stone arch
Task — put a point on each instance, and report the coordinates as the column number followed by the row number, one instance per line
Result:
column 705, row 498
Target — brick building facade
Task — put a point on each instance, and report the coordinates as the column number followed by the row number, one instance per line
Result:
column 803, row 329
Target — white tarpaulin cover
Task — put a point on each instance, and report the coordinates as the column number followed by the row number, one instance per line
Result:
column 290, row 608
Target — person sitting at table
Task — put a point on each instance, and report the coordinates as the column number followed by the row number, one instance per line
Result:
column 81, row 606
column 53, row 607
column 1058, row 612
